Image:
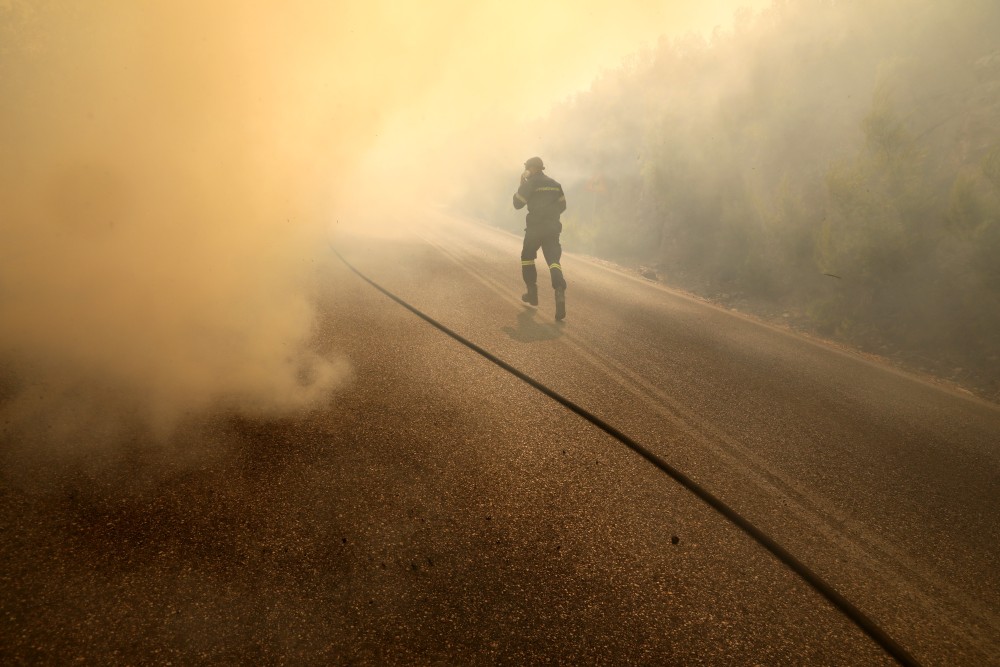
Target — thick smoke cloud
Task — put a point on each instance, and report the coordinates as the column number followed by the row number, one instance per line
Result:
column 163, row 186
column 168, row 171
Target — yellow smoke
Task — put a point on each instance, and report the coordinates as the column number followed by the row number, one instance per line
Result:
column 168, row 169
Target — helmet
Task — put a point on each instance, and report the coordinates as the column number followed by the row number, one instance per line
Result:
column 534, row 162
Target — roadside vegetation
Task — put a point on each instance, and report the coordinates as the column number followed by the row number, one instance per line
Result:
column 835, row 163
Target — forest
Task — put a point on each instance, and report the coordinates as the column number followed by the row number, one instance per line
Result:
column 831, row 164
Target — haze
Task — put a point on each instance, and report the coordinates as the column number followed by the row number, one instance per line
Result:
column 169, row 170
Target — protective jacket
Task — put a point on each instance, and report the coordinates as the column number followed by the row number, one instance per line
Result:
column 544, row 198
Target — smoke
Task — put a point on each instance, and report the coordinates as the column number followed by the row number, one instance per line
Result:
column 163, row 189
column 497, row 69
column 168, row 171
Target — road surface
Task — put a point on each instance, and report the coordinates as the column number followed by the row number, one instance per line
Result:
column 440, row 511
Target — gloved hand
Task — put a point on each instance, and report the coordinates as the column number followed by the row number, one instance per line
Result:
column 526, row 175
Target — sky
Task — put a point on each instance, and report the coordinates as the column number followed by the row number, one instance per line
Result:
column 170, row 171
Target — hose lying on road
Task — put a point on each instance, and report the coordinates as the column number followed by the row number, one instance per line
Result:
column 858, row 617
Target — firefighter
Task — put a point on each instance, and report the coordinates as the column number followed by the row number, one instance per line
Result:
column 545, row 201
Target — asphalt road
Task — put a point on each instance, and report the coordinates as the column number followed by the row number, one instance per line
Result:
column 440, row 511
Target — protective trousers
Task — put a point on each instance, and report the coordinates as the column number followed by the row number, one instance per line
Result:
column 546, row 238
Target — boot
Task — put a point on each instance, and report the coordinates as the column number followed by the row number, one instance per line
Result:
column 560, row 304
column 531, row 296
